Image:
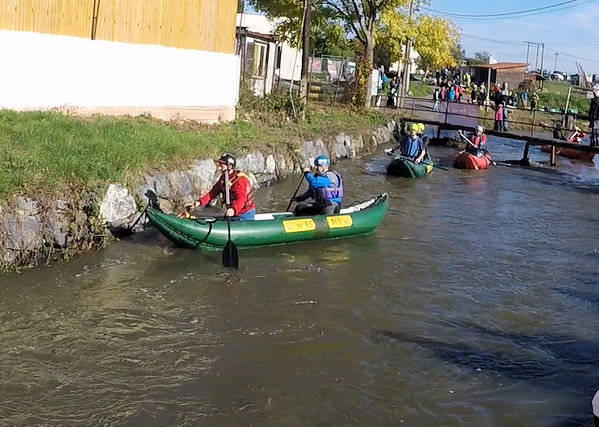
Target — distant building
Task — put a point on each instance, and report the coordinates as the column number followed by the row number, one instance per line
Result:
column 511, row 73
column 159, row 57
column 265, row 59
column 533, row 79
column 414, row 58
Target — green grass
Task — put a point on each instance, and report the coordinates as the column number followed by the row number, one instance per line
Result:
column 47, row 152
column 555, row 93
column 420, row 89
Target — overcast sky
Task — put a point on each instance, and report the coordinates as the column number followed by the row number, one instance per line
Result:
column 569, row 28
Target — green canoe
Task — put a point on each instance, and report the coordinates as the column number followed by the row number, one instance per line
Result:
column 402, row 166
column 271, row 228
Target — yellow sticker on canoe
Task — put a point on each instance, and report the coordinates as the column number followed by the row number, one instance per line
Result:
column 339, row 221
column 297, row 225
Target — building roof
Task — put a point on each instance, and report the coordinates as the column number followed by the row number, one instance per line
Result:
column 534, row 75
column 258, row 36
column 501, row 65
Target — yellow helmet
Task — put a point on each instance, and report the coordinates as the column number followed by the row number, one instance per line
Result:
column 414, row 127
column 420, row 127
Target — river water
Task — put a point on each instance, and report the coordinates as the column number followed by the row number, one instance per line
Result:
column 475, row 303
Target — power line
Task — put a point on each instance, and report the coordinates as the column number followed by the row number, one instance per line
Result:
column 573, row 56
column 511, row 17
column 490, row 15
column 531, row 43
column 493, row 40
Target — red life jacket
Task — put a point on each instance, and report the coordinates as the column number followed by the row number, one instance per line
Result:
column 249, row 201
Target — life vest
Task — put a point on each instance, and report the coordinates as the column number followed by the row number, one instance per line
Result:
column 411, row 147
column 479, row 142
column 334, row 191
column 249, row 200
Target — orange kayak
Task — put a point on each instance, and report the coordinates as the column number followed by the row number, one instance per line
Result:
column 569, row 152
column 466, row 160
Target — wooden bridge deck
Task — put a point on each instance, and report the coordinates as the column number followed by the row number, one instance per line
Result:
column 532, row 140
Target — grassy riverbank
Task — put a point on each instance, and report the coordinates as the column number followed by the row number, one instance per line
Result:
column 47, row 152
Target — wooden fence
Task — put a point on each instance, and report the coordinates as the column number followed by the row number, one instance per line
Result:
column 189, row 24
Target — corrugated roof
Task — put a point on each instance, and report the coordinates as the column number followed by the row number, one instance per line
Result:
column 501, row 65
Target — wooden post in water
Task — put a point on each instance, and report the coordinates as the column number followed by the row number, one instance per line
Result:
column 525, row 160
column 485, row 119
column 567, row 105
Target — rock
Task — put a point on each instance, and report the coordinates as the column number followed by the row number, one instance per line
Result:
column 117, row 205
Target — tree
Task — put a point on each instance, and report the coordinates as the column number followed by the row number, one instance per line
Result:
column 435, row 42
column 482, row 56
column 381, row 23
column 393, row 31
column 329, row 39
column 362, row 20
column 458, row 53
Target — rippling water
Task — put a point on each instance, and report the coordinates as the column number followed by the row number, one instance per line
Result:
column 475, row 303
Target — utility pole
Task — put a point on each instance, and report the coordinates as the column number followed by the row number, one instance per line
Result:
column 527, row 52
column 555, row 65
column 405, row 83
column 542, row 57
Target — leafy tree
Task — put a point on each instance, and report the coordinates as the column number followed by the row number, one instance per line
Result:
column 435, row 42
column 362, row 19
column 288, row 14
column 458, row 53
column 380, row 23
column 482, row 56
column 391, row 36
column 434, row 39
column 329, row 39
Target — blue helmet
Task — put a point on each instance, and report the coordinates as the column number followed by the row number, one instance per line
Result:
column 321, row 161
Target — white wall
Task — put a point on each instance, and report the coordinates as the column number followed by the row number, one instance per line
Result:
column 291, row 58
column 48, row 71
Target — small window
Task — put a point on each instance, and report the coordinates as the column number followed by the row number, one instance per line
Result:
column 259, row 63
column 279, row 54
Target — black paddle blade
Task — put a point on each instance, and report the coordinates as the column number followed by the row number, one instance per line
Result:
column 230, row 256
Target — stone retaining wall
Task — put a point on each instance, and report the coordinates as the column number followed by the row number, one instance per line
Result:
column 32, row 232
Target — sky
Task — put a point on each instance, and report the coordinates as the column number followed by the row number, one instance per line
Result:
column 571, row 29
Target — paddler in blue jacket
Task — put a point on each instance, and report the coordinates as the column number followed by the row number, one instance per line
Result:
column 411, row 146
column 325, row 189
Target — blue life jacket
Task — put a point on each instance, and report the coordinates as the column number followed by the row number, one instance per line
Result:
column 334, row 192
column 411, row 147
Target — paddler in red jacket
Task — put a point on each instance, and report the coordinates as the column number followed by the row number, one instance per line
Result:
column 240, row 189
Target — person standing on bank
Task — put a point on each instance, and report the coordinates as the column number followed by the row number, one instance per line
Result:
column 325, row 189
column 410, row 146
column 240, row 188
column 594, row 118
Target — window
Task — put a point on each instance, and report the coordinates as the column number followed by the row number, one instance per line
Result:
column 259, row 62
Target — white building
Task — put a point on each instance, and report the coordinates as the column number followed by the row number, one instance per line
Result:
column 398, row 66
column 265, row 59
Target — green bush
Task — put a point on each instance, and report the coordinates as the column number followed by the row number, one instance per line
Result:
column 280, row 103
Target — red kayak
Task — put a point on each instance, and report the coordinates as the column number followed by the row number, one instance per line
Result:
column 569, row 152
column 465, row 160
